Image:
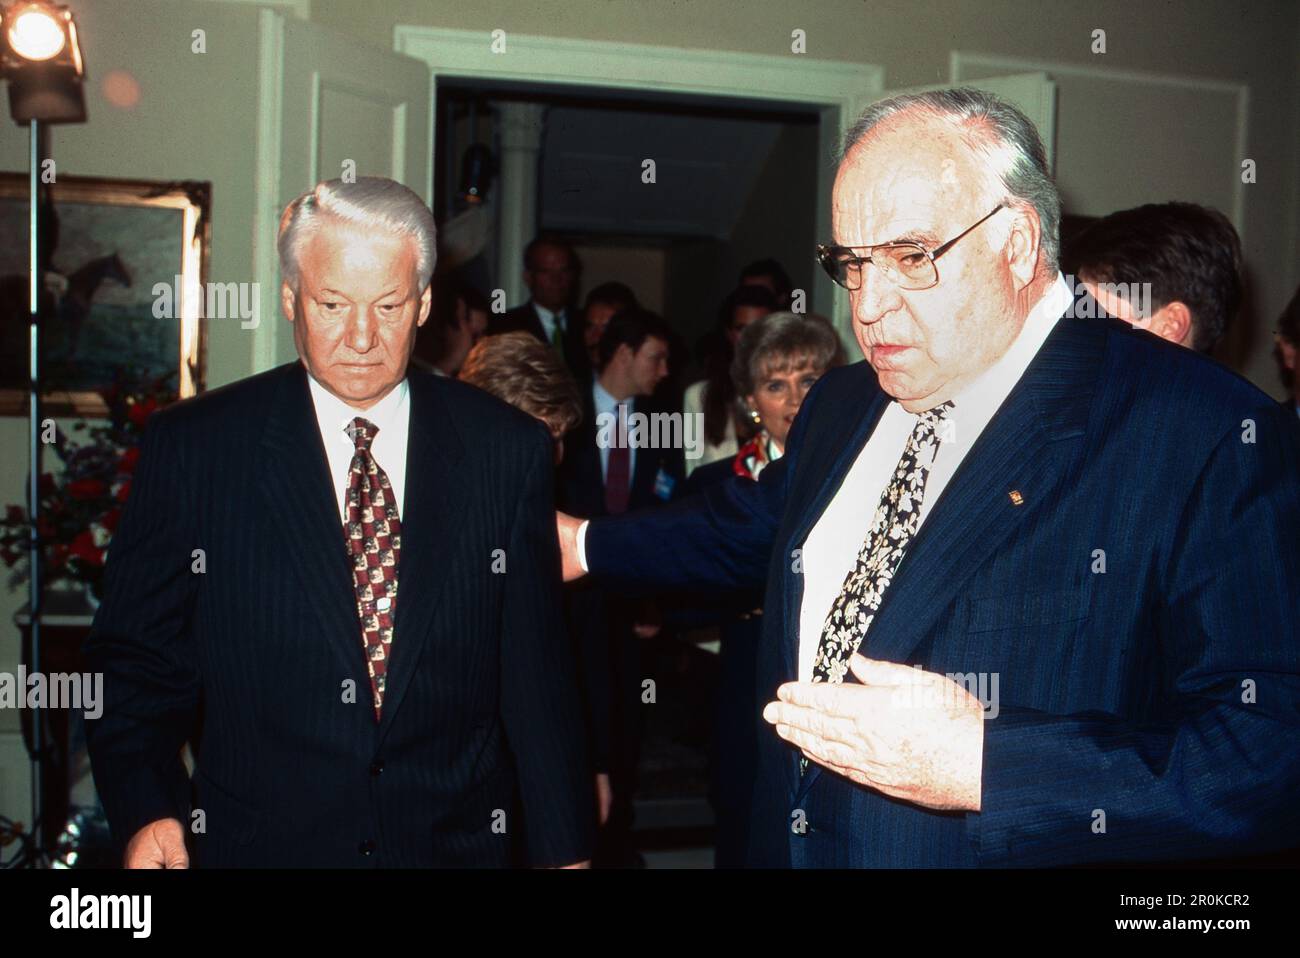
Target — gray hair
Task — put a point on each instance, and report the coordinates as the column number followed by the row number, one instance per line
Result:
column 997, row 132
column 367, row 201
column 779, row 342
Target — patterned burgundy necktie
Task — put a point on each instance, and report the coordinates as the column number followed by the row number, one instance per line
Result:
column 374, row 537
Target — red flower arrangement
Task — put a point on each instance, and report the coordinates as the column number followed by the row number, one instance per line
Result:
column 81, row 505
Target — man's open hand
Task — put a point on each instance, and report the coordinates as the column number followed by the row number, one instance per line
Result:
column 567, row 529
column 911, row 734
column 160, row 844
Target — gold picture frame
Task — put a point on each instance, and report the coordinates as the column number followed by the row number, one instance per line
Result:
column 113, row 241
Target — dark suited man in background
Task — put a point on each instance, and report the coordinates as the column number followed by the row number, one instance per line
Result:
column 458, row 319
column 379, row 688
column 1176, row 264
column 551, row 270
column 603, row 302
column 605, row 473
column 1033, row 581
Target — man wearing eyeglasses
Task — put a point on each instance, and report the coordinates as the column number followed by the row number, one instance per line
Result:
column 1000, row 625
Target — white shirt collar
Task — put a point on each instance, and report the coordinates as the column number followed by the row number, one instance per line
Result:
column 977, row 403
column 605, row 402
column 548, row 317
column 334, row 415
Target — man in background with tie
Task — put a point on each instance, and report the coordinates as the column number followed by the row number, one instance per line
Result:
column 551, row 271
column 350, row 569
column 608, row 471
column 1033, row 580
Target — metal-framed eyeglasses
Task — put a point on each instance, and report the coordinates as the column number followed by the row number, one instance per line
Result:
column 909, row 266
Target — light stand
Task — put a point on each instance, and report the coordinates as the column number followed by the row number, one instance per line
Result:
column 35, row 579
column 41, row 58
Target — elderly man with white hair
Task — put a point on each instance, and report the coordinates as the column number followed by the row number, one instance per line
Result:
column 349, row 568
column 1033, row 580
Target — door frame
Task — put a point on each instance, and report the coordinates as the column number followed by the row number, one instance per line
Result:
column 840, row 90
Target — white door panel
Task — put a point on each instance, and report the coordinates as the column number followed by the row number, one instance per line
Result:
column 327, row 106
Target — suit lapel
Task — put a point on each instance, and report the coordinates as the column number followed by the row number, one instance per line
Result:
column 1030, row 447
column 535, row 325
column 298, row 489
column 434, row 504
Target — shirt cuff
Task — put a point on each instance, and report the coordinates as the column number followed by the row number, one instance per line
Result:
column 582, row 546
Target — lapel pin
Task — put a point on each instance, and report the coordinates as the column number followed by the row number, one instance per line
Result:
column 1016, row 498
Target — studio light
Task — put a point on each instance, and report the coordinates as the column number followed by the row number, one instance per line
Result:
column 41, row 58
column 35, row 35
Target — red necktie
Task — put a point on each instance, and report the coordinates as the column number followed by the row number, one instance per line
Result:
column 374, row 537
column 618, row 470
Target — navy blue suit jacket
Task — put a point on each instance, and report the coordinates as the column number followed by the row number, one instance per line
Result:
column 1159, row 700
column 480, row 713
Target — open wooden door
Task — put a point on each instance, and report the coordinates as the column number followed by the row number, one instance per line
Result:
column 328, row 106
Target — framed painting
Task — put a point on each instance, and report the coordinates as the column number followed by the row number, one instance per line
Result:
column 105, row 317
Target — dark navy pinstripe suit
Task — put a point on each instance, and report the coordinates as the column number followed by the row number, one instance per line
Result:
column 480, row 718
column 1123, row 694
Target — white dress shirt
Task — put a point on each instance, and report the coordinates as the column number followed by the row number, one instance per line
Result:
column 549, row 320
column 392, row 416
column 608, row 405
column 832, row 546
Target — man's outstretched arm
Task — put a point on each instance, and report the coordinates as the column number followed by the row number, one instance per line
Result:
column 722, row 538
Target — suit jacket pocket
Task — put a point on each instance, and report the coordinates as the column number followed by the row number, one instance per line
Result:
column 990, row 613
column 226, row 818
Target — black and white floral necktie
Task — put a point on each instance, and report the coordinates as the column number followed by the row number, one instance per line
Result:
column 895, row 522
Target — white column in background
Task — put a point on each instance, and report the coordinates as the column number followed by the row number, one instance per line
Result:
column 520, row 136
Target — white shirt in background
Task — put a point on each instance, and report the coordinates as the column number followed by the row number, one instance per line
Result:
column 693, row 405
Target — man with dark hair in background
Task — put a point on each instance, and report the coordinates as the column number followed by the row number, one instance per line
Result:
column 771, row 274
column 551, row 270
column 607, row 471
column 1190, row 256
column 460, row 319
column 601, row 304
column 1287, row 349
